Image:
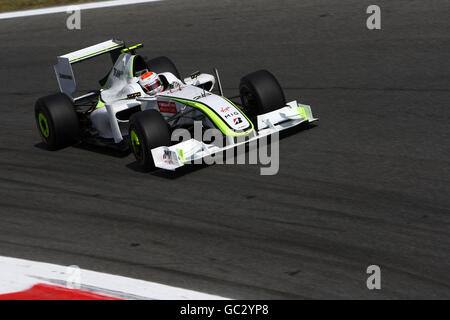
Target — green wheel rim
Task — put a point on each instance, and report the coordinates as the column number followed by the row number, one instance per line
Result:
column 135, row 143
column 43, row 125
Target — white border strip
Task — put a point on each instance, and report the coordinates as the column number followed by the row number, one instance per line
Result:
column 19, row 275
column 81, row 6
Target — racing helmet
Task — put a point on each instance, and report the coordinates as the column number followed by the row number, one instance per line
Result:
column 150, row 83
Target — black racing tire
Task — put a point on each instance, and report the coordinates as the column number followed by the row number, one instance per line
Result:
column 147, row 130
column 260, row 93
column 163, row 64
column 57, row 121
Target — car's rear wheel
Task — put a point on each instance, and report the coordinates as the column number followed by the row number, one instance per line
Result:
column 147, row 130
column 163, row 64
column 57, row 121
column 260, row 93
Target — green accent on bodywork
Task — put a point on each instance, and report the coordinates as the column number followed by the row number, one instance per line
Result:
column 181, row 155
column 135, row 141
column 226, row 130
column 100, row 104
column 302, row 112
column 95, row 53
column 43, row 125
column 132, row 66
column 132, row 48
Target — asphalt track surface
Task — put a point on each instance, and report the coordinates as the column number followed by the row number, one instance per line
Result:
column 368, row 185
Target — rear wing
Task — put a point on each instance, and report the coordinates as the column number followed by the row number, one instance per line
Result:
column 63, row 69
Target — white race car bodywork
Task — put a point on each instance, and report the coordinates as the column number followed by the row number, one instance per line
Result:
column 181, row 103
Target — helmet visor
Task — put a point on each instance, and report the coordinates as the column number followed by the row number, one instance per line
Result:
column 153, row 86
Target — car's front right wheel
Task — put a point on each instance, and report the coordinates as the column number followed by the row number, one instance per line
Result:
column 147, row 130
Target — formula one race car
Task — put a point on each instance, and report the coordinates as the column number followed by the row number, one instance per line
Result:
column 123, row 114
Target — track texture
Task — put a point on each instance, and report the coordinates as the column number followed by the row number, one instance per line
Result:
column 368, row 185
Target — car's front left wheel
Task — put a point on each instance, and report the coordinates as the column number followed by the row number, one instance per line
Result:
column 147, row 130
column 260, row 93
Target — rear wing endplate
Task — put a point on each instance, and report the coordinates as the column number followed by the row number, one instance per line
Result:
column 63, row 69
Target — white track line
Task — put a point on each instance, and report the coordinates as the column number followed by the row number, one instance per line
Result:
column 81, row 6
column 18, row 275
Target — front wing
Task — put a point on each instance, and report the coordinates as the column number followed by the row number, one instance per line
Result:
column 176, row 156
